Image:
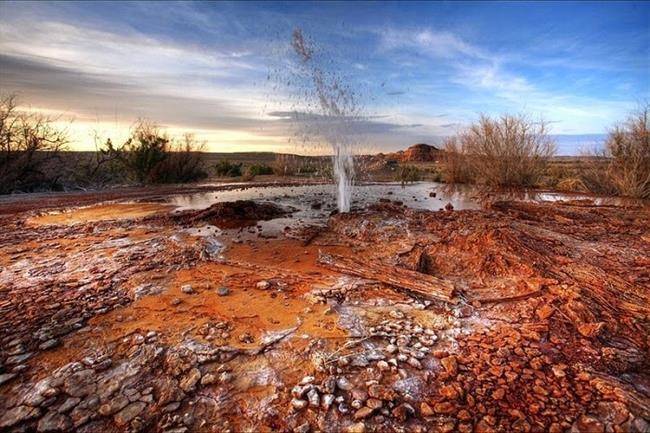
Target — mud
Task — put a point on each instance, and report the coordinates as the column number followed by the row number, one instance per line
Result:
column 528, row 317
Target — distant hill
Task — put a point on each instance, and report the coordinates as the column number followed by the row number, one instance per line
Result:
column 420, row 152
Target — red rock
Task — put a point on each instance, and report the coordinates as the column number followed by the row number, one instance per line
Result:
column 450, row 365
column 612, row 412
column 590, row 330
column 426, row 410
column 443, row 407
column 362, row 413
column 545, row 311
column 588, row 424
column 483, row 427
column 499, row 394
column 449, row 392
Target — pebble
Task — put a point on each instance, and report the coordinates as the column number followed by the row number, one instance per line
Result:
column 298, row 404
column 187, row 289
column 223, row 291
column 343, row 384
column 263, row 285
column 6, row 377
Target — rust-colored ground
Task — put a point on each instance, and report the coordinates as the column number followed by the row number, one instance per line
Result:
column 114, row 320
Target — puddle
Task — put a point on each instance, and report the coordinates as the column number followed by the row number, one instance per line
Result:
column 101, row 212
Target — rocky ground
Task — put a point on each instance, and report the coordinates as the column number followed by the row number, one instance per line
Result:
column 520, row 317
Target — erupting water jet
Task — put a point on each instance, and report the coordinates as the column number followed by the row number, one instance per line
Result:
column 337, row 111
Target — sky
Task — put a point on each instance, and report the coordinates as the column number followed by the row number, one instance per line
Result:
column 419, row 71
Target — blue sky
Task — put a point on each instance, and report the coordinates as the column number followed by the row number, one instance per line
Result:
column 422, row 70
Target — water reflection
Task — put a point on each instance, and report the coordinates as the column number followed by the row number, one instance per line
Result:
column 318, row 201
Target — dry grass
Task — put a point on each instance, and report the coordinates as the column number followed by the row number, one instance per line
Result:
column 628, row 150
column 499, row 152
column 455, row 164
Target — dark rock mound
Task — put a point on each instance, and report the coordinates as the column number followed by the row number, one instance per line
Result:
column 232, row 214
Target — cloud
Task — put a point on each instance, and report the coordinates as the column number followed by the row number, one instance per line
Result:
column 440, row 44
column 352, row 125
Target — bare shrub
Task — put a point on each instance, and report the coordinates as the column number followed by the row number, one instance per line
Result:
column 286, row 165
column 97, row 169
column 627, row 150
column 183, row 162
column 227, row 168
column 507, row 151
column 151, row 156
column 455, row 164
column 409, row 174
column 30, row 147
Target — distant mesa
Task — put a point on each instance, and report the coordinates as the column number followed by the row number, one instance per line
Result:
column 420, row 152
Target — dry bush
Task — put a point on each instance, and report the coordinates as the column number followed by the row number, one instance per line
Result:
column 30, row 147
column 571, row 184
column 183, row 163
column 627, row 150
column 151, row 156
column 507, row 151
column 408, row 174
column 455, row 164
column 285, row 165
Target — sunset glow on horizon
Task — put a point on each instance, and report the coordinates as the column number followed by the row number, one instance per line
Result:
column 212, row 68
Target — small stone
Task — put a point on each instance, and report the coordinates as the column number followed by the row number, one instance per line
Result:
column 358, row 427
column 80, row 383
column 426, row 410
column 18, row 414
column 263, row 285
column 307, row 380
column 208, row 379
column 6, row 377
column 499, row 394
column 302, row 428
column 443, row 407
column 223, row 291
column 187, row 289
column 413, row 362
column 327, row 401
column 124, row 416
column 190, row 380
column 484, row 426
column 343, row 384
column 54, row 421
column 612, row 412
column 175, row 302
column 18, row 359
column 450, row 365
column 588, row 424
column 382, row 365
column 544, row 312
column 49, row 344
column 113, row 405
column 225, row 377
column 313, row 397
column 362, row 413
column 298, row 404
column 69, row 404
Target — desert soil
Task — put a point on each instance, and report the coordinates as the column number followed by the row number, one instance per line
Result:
column 522, row 316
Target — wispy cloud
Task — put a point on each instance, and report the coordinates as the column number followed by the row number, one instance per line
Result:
column 196, row 66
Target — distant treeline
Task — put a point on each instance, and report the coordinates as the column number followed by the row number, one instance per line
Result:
column 508, row 151
column 34, row 157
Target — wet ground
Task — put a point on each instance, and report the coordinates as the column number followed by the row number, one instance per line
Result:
column 206, row 312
